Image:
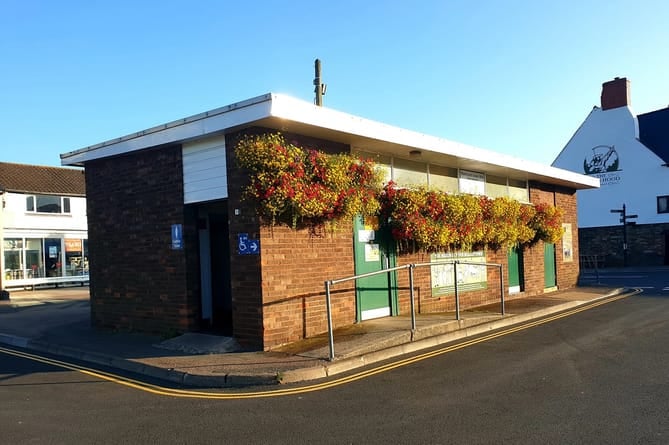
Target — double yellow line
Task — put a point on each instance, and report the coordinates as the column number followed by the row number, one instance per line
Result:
column 163, row 391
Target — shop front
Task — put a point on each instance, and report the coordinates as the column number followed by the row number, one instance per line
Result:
column 33, row 260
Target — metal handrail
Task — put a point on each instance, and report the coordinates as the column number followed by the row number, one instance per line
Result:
column 369, row 274
column 328, row 302
column 411, row 267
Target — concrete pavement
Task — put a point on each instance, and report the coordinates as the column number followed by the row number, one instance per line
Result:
column 57, row 321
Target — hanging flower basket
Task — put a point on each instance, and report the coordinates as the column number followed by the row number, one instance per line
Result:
column 307, row 188
column 433, row 221
column 299, row 187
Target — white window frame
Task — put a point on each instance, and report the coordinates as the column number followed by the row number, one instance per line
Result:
column 63, row 201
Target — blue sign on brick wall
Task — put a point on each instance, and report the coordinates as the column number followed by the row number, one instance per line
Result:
column 246, row 246
column 177, row 237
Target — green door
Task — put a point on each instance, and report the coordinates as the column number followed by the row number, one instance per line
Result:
column 549, row 266
column 516, row 280
column 376, row 295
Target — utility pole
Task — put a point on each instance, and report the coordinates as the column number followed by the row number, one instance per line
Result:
column 624, row 220
column 319, row 86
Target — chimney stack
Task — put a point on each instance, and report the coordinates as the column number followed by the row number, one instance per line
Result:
column 616, row 93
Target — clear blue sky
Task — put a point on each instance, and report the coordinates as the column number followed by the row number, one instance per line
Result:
column 513, row 76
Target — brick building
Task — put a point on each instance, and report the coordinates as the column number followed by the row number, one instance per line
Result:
column 629, row 153
column 175, row 248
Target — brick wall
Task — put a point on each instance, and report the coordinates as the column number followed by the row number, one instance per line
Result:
column 138, row 283
column 647, row 244
column 279, row 296
column 567, row 271
column 295, row 265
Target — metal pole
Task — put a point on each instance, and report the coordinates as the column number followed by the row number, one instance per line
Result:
column 329, row 312
column 317, row 83
column 624, row 219
column 413, row 310
column 457, row 296
column 501, row 284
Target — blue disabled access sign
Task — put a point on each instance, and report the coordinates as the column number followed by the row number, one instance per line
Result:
column 246, row 246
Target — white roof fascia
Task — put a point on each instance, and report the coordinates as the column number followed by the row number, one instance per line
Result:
column 202, row 124
column 290, row 109
column 296, row 110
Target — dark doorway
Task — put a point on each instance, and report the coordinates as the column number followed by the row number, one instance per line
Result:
column 215, row 284
column 666, row 248
column 220, row 273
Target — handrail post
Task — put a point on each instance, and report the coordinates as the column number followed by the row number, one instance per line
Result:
column 501, row 285
column 329, row 313
column 411, row 296
column 457, row 296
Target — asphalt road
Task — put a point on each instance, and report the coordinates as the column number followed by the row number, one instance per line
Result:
column 599, row 376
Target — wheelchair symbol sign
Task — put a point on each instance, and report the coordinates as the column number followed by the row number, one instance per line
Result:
column 246, row 246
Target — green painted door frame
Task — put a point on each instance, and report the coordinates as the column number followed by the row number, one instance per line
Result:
column 550, row 277
column 376, row 296
column 516, row 267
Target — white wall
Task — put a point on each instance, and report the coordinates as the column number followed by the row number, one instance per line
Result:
column 637, row 181
column 204, row 166
column 15, row 216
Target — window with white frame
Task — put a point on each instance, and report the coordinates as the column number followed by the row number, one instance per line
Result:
column 472, row 183
column 411, row 173
column 47, row 204
column 663, row 204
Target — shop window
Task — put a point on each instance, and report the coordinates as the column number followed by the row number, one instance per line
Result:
column 663, row 204
column 74, row 258
column 14, row 269
column 34, row 257
column 47, row 204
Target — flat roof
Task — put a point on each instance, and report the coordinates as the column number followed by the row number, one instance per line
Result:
column 285, row 113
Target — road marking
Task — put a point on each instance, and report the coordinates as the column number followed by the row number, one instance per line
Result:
column 603, row 275
column 172, row 392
